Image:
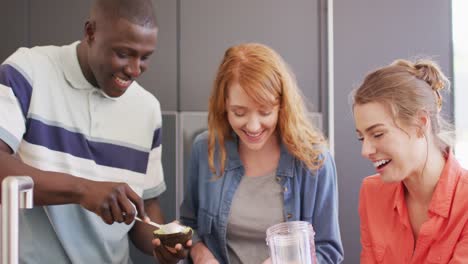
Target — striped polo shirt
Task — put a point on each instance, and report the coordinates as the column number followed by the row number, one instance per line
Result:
column 55, row 120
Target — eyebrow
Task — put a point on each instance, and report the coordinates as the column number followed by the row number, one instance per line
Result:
column 370, row 128
column 133, row 51
column 237, row 106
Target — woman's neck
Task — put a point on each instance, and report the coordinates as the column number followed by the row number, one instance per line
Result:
column 261, row 161
column 420, row 186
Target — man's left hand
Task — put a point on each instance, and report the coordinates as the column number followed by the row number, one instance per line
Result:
column 168, row 255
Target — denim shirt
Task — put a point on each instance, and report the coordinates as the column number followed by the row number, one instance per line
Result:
column 308, row 196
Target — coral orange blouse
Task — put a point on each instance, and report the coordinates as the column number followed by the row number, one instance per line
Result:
column 386, row 234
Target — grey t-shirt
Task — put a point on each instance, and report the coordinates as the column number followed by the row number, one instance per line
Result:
column 257, row 205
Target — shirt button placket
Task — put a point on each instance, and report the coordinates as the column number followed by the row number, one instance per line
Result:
column 90, row 111
column 94, row 96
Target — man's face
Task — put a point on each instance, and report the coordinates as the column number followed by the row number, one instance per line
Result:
column 118, row 54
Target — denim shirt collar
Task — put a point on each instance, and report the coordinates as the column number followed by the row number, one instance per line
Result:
column 285, row 165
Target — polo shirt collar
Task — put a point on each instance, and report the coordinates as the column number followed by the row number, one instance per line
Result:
column 71, row 68
column 73, row 73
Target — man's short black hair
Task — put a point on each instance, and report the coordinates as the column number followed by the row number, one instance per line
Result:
column 140, row 12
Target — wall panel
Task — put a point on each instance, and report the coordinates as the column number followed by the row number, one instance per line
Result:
column 209, row 27
column 14, row 16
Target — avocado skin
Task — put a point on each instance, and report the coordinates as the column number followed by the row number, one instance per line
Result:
column 171, row 240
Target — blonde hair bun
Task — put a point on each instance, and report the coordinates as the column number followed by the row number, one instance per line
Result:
column 428, row 71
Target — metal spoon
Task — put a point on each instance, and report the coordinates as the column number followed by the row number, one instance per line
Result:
column 167, row 228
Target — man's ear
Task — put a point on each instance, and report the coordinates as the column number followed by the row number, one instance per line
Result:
column 90, row 31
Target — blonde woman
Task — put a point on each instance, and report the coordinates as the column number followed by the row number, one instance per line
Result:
column 415, row 209
column 261, row 162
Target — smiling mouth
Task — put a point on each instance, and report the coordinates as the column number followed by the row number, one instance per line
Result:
column 381, row 163
column 254, row 135
column 122, row 82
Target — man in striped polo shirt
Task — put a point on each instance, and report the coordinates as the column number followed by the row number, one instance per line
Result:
column 75, row 120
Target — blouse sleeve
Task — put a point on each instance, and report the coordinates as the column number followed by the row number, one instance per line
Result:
column 328, row 246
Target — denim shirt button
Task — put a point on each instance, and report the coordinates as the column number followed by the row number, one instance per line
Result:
column 285, row 189
column 289, row 216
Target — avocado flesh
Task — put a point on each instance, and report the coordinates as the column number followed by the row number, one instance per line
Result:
column 172, row 239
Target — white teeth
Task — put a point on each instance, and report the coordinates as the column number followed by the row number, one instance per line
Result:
column 253, row 135
column 122, row 81
column 380, row 163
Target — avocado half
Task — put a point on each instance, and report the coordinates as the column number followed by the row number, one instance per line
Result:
column 172, row 239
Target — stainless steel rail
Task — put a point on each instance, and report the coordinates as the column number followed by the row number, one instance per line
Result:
column 17, row 192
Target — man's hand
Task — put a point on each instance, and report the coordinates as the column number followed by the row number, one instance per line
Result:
column 112, row 201
column 167, row 255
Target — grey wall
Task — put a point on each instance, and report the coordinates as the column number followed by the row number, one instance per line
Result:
column 208, row 27
column 369, row 34
column 162, row 76
column 192, row 38
column 14, row 22
column 54, row 22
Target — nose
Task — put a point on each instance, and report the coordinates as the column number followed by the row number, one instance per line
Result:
column 368, row 149
column 133, row 68
column 253, row 124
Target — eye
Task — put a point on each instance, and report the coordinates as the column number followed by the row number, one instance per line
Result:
column 265, row 113
column 360, row 139
column 238, row 113
column 121, row 54
column 377, row 135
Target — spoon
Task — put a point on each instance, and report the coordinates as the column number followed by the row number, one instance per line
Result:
column 167, row 228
